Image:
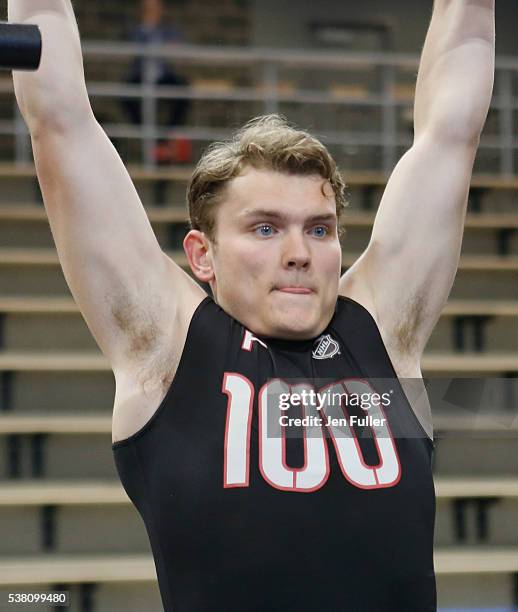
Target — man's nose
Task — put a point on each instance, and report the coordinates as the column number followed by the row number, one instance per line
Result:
column 296, row 253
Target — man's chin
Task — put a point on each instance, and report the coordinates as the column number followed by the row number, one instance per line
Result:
column 294, row 328
column 293, row 316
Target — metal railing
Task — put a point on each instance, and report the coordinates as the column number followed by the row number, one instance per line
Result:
column 267, row 71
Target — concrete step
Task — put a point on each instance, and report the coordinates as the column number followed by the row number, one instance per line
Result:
column 42, row 257
column 476, row 456
column 467, row 363
column 74, row 456
column 41, row 492
column 456, row 593
column 73, row 569
column 69, row 332
column 105, row 597
column 89, row 523
column 66, row 423
column 87, row 391
column 79, row 530
column 500, row 334
column 19, row 183
column 64, row 304
column 475, row 592
column 26, row 226
column 176, row 212
column 37, row 272
column 57, row 325
column 35, row 234
column 87, row 454
column 495, row 424
column 491, row 183
column 67, row 569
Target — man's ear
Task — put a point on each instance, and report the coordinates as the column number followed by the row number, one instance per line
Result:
column 198, row 249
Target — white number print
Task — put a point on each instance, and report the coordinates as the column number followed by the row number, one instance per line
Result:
column 272, row 443
column 236, row 463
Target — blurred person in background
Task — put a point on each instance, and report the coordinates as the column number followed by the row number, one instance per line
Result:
column 154, row 29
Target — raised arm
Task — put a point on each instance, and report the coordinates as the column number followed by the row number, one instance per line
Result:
column 129, row 292
column 406, row 273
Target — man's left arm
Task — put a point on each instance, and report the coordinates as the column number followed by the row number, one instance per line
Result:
column 406, row 273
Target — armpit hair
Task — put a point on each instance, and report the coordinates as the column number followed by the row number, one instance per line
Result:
column 136, row 324
column 411, row 318
column 145, row 340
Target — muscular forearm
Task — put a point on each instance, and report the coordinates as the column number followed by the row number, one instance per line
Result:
column 456, row 72
column 56, row 92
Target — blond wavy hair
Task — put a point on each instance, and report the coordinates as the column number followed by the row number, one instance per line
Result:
column 267, row 142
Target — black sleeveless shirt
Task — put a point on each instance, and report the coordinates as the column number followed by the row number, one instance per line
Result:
column 248, row 509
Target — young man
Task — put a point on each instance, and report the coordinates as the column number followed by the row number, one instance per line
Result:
column 239, row 516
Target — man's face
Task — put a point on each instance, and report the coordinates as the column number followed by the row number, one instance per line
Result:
column 277, row 258
column 152, row 11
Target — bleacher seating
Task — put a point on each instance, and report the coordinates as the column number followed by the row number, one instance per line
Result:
column 59, row 484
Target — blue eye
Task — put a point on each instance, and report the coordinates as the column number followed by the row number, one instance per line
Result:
column 268, row 227
column 324, row 231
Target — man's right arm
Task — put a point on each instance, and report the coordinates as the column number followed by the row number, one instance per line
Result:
column 133, row 297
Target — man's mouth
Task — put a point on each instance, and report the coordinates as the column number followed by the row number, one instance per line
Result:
column 297, row 290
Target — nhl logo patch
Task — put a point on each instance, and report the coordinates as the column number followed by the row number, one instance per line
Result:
column 325, row 348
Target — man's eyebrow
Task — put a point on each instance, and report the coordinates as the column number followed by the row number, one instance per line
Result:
column 273, row 214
